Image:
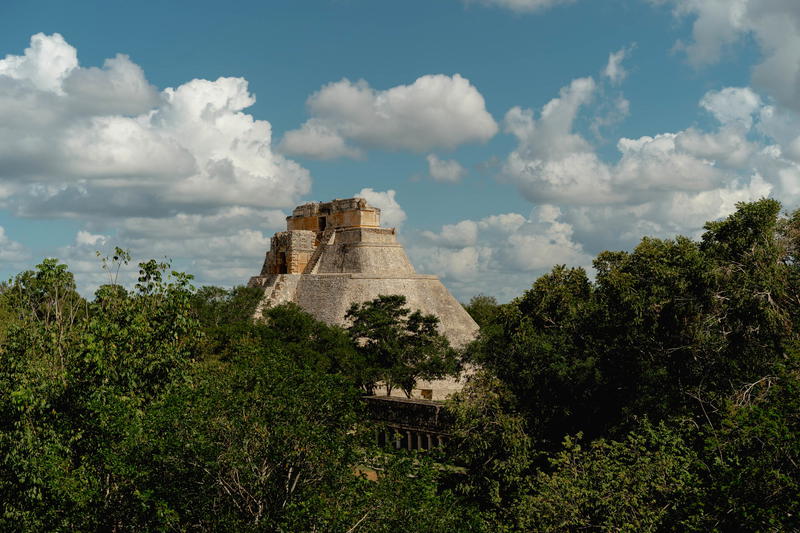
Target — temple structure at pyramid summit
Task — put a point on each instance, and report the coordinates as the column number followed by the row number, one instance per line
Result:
column 333, row 254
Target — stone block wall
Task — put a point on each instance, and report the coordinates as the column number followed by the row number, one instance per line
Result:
column 368, row 235
column 289, row 252
column 361, row 218
column 365, row 251
column 365, row 258
column 351, row 212
column 303, row 223
column 329, row 296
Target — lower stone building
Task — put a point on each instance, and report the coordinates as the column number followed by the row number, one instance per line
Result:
column 409, row 424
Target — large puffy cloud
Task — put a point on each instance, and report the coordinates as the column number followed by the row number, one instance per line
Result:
column 552, row 134
column 183, row 225
column 392, row 215
column 436, row 111
column 551, row 161
column 774, row 25
column 182, row 172
column 45, row 64
column 318, row 140
column 225, row 239
column 70, row 136
column 470, row 254
column 460, row 235
column 120, row 87
column 660, row 185
column 663, row 184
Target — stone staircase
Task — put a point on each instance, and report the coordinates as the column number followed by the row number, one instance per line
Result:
column 324, row 242
column 278, row 289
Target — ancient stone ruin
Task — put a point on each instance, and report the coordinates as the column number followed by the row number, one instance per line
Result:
column 333, row 254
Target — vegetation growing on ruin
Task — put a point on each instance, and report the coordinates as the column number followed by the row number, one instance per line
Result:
column 662, row 394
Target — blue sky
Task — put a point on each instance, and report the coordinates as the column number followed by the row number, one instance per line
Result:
column 501, row 136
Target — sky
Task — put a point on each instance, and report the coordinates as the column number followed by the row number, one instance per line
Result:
column 501, row 137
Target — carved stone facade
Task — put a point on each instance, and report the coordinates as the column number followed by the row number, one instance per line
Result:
column 319, row 216
column 409, row 424
column 290, row 252
column 334, row 254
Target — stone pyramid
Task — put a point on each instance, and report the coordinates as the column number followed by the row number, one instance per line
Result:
column 333, row 254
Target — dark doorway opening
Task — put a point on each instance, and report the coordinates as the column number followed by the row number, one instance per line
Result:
column 282, row 268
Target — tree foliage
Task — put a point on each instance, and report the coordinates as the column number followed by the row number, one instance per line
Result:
column 659, row 393
column 483, row 309
column 490, row 441
column 76, row 379
column 168, row 408
column 702, row 332
column 646, row 482
column 398, row 347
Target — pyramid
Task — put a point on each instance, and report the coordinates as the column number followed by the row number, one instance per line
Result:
column 334, row 254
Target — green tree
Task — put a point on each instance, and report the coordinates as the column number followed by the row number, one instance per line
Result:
column 646, row 482
column 755, row 454
column 75, row 383
column 488, row 439
column 398, row 346
column 483, row 309
column 320, row 346
column 654, row 329
column 253, row 441
column 407, row 496
column 217, row 307
column 669, row 328
column 754, row 298
column 539, row 346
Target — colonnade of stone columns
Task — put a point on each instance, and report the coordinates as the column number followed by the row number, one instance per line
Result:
column 410, row 439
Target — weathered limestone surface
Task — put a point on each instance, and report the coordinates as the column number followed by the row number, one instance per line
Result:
column 335, row 253
column 365, row 251
column 328, row 297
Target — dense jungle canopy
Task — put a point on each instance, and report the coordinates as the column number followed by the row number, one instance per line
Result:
column 660, row 394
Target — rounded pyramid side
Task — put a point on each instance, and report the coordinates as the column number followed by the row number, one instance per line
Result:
column 329, row 297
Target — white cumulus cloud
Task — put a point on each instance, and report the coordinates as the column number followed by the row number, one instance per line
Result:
column 615, row 70
column 184, row 172
column 317, row 140
column 436, row 111
column 75, row 140
column 460, row 235
column 663, row 184
column 44, row 65
column 471, row 255
column 445, row 170
column 392, row 215
column 226, row 247
column 773, row 24
column 554, row 162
